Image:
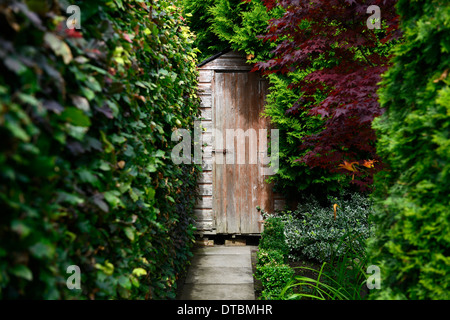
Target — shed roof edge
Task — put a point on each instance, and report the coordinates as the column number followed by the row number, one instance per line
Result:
column 217, row 55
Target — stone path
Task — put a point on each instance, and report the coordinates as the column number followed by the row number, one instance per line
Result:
column 220, row 273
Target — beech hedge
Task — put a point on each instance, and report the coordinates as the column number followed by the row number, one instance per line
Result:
column 86, row 179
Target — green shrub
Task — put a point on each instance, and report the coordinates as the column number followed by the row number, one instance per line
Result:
column 264, row 257
column 267, row 256
column 412, row 240
column 270, row 267
column 272, row 237
column 199, row 18
column 293, row 176
column 274, row 277
column 86, row 120
column 312, row 231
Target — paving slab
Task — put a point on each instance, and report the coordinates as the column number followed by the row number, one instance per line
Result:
column 218, row 292
column 216, row 275
column 223, row 250
column 222, row 260
column 220, row 273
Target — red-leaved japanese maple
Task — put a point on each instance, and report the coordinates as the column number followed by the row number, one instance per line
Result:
column 352, row 57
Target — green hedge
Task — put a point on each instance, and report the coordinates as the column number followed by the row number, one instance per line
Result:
column 271, row 267
column 412, row 242
column 86, row 179
column 273, row 238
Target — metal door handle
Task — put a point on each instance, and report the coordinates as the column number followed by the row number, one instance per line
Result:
column 224, row 151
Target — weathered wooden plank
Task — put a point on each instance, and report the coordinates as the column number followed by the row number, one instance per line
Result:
column 204, row 225
column 204, row 203
column 228, row 61
column 206, row 125
column 227, row 64
column 236, row 243
column 207, row 151
column 206, row 113
column 204, row 242
column 204, row 88
column 206, row 100
column 230, row 114
column 204, row 214
column 207, row 138
column 205, row 75
column 227, row 68
column 250, row 220
column 205, row 189
column 205, row 177
column 242, row 167
column 207, row 164
column 219, row 177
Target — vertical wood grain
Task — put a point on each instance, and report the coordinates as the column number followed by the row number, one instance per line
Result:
column 238, row 100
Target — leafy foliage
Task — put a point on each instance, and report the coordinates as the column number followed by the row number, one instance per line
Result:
column 321, row 233
column 412, row 240
column 271, row 268
column 343, row 281
column 272, row 237
column 240, row 22
column 199, row 18
column 85, row 121
column 295, row 176
column 344, row 59
column 274, row 278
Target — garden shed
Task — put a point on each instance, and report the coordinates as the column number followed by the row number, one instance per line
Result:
column 232, row 183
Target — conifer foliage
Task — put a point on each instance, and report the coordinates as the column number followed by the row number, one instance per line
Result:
column 412, row 242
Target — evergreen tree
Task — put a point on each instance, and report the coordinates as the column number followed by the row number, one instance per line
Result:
column 412, row 241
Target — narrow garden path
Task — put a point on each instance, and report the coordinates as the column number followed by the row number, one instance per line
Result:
column 220, row 273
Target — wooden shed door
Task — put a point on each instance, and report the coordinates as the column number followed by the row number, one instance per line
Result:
column 238, row 188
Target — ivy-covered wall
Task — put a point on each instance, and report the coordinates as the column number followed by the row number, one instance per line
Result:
column 86, row 178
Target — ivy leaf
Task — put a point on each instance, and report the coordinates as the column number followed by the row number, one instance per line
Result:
column 112, row 197
column 76, row 117
column 23, row 272
column 16, row 130
column 107, row 269
column 21, row 228
column 81, row 103
column 59, row 47
column 139, row 272
column 69, row 198
column 87, row 177
column 124, row 282
column 109, row 147
column 42, row 250
column 129, row 232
